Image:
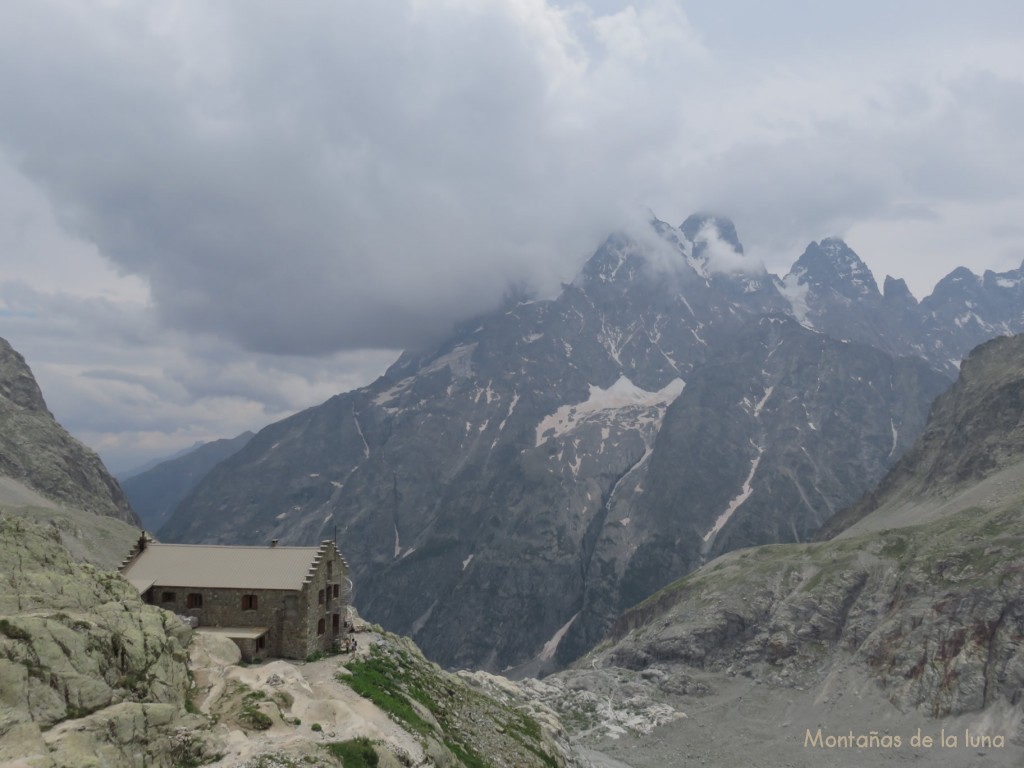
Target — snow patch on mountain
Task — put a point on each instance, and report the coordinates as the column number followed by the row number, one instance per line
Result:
column 737, row 502
column 622, row 394
column 459, row 361
column 392, row 393
column 548, row 651
column 795, row 292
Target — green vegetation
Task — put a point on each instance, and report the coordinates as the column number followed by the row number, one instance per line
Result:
column 318, row 655
column 354, row 753
column 255, row 719
column 895, row 547
column 251, row 715
column 316, row 727
column 389, row 685
column 426, row 701
column 467, row 756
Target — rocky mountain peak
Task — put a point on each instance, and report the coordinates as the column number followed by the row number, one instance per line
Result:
column 706, row 244
column 544, row 460
column 715, row 250
column 957, row 282
column 618, row 258
column 36, row 452
column 896, row 291
column 699, row 226
column 832, row 265
column 17, row 384
column 1012, row 280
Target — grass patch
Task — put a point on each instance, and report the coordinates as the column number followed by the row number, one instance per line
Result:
column 896, row 548
column 388, row 686
column 467, row 756
column 420, row 697
column 354, row 753
column 251, row 715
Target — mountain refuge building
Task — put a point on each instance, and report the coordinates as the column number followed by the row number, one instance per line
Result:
column 286, row 602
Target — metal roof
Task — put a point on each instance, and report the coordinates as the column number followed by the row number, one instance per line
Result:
column 141, row 584
column 202, row 565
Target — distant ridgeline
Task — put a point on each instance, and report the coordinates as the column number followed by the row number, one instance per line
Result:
column 503, row 496
column 157, row 490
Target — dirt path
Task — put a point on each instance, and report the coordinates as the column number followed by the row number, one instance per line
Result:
column 295, row 695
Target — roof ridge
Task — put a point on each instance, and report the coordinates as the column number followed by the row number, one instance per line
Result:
column 230, row 546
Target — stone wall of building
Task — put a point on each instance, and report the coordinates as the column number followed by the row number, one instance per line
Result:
column 329, row 570
column 276, row 609
column 293, row 617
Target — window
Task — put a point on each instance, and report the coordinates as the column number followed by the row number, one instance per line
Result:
column 329, row 564
column 261, row 642
column 167, row 597
column 249, row 602
column 335, row 623
column 321, row 627
column 335, row 590
column 194, row 600
column 320, row 597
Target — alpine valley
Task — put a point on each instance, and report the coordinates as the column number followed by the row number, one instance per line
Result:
column 741, row 519
column 504, row 496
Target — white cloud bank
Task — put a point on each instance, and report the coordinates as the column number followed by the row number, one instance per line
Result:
column 254, row 193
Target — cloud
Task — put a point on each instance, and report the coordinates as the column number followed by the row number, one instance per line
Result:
column 333, row 176
column 132, row 389
column 721, row 257
column 325, row 176
column 236, row 208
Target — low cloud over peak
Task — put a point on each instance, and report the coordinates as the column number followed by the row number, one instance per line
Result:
column 310, row 180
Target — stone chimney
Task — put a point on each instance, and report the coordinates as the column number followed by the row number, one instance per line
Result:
column 273, row 543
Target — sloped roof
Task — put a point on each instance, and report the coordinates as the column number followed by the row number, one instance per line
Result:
column 201, row 565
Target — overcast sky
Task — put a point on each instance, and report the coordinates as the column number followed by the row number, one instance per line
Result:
column 215, row 214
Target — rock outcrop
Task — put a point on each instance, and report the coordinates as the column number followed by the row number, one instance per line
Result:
column 975, row 430
column 384, row 697
column 935, row 614
column 89, row 675
column 37, row 452
column 911, row 616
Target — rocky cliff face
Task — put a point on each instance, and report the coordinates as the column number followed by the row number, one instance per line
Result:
column 35, row 451
column 88, row 674
column 915, row 630
column 974, row 432
column 934, row 614
column 771, row 437
column 518, row 482
column 918, row 607
column 832, row 290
